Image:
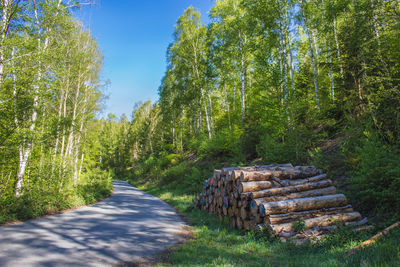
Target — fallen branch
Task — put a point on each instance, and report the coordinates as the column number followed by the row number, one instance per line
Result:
column 373, row 239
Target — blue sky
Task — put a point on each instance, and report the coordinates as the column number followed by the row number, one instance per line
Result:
column 133, row 36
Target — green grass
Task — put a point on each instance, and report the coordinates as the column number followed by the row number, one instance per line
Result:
column 216, row 244
column 47, row 199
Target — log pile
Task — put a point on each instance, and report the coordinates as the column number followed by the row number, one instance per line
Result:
column 275, row 197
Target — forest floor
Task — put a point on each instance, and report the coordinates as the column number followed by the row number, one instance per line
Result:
column 125, row 228
column 215, row 243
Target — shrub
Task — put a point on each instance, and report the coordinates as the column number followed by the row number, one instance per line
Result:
column 224, row 144
column 291, row 149
column 376, row 182
column 174, row 173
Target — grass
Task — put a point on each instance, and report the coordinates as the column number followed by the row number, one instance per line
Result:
column 47, row 199
column 216, row 244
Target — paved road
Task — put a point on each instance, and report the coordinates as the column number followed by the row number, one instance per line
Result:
column 128, row 226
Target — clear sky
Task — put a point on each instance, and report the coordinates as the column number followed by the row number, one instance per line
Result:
column 133, row 36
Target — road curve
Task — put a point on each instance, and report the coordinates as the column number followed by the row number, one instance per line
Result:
column 127, row 226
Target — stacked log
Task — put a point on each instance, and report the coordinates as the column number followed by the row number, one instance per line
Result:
column 274, row 197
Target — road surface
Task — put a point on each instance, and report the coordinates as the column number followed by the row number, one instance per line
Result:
column 126, row 227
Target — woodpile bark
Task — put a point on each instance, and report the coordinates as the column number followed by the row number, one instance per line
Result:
column 281, row 198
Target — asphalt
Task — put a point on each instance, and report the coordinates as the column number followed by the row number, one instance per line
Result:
column 126, row 227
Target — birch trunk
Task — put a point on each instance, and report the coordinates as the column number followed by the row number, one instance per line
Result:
column 292, row 68
column 211, row 111
column 25, row 153
column 284, row 66
column 234, row 96
column 376, row 26
column 337, row 46
column 316, row 49
column 243, row 81
column 312, row 56
column 227, row 107
column 195, row 119
column 183, row 128
column 206, row 113
column 331, row 74
column 4, row 29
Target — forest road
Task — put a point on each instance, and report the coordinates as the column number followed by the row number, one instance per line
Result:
column 124, row 228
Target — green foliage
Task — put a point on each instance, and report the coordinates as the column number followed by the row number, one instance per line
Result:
column 376, row 184
column 299, row 225
column 291, row 149
column 224, row 145
column 174, row 173
column 96, row 184
column 50, row 199
column 50, row 91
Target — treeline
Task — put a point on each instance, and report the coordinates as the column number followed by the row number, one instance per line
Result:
column 49, row 92
column 284, row 81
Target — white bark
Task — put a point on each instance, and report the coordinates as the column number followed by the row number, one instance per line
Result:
column 206, row 112
column 234, row 96
column 337, row 47
column 316, row 50
column 183, row 128
column 227, row 106
column 211, row 111
column 331, row 74
column 312, row 56
column 195, row 119
column 25, row 153
column 284, row 64
column 4, row 28
column 376, row 26
column 243, row 41
column 292, row 67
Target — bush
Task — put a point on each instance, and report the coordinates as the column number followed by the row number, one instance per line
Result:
column 376, row 182
column 291, row 149
column 224, row 145
column 48, row 198
column 174, row 173
column 96, row 184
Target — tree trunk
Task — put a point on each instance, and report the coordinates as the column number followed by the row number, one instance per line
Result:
column 211, row 111
column 293, row 216
column 325, row 220
column 243, row 80
column 331, row 190
column 284, row 65
column 25, row 154
column 254, row 186
column 206, row 113
column 312, row 56
column 331, row 74
column 227, row 107
column 292, row 69
column 250, row 176
column 302, row 204
column 337, row 47
column 4, row 29
column 291, row 189
column 376, row 26
column 243, row 43
column 373, row 239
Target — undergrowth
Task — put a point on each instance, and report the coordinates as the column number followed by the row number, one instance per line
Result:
column 48, row 199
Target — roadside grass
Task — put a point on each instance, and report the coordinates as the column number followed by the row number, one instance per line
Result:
column 216, row 244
